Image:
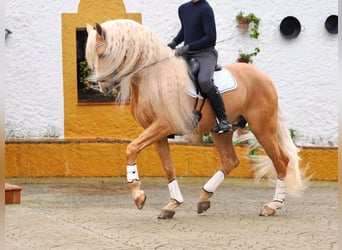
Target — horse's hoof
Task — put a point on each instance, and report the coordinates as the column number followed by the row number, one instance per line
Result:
column 140, row 201
column 267, row 211
column 203, row 206
column 166, row 214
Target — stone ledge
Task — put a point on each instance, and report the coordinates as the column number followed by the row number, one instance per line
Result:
column 107, row 157
column 110, row 140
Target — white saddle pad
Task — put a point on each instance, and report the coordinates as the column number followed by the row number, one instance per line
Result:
column 223, row 80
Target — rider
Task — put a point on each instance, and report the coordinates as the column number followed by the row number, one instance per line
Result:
column 198, row 32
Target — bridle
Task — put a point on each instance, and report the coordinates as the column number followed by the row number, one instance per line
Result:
column 100, row 44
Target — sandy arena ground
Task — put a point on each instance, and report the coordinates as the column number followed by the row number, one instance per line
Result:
column 98, row 213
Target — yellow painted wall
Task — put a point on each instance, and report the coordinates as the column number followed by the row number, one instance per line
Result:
column 92, row 121
column 107, row 158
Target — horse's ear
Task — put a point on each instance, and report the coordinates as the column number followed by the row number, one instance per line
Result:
column 89, row 28
column 99, row 30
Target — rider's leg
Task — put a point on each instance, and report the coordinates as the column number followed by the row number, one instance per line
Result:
column 207, row 60
column 217, row 104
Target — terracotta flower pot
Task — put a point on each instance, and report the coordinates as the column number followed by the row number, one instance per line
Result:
column 240, row 60
column 243, row 24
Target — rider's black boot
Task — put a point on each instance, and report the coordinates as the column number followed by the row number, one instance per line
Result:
column 216, row 102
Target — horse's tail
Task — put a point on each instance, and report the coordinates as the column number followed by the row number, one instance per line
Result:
column 294, row 180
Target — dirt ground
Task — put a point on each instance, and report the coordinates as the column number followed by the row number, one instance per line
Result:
column 98, row 213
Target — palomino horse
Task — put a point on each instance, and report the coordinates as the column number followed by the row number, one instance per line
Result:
column 127, row 56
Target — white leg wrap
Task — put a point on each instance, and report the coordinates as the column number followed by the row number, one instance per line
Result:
column 132, row 173
column 280, row 191
column 214, row 182
column 175, row 192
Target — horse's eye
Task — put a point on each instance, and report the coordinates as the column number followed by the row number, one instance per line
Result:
column 102, row 55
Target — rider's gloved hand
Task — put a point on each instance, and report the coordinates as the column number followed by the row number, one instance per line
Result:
column 181, row 51
column 172, row 44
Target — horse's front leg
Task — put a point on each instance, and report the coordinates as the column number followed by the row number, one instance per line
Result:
column 151, row 134
column 176, row 197
column 134, row 183
column 229, row 161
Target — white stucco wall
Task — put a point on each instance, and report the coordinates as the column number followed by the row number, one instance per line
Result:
column 33, row 54
column 304, row 69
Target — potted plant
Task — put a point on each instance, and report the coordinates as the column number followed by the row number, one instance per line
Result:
column 245, row 20
column 242, row 21
column 247, row 57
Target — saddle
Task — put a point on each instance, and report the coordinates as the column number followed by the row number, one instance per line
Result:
column 194, row 65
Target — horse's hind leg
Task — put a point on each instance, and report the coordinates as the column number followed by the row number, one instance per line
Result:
column 229, row 161
column 280, row 162
column 176, row 197
column 268, row 139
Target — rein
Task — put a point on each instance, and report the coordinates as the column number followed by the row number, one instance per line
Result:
column 154, row 63
column 148, row 65
column 139, row 69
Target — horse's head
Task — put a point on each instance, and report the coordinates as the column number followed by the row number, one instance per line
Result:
column 121, row 52
column 96, row 55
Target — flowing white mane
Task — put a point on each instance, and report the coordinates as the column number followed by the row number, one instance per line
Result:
column 134, row 55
